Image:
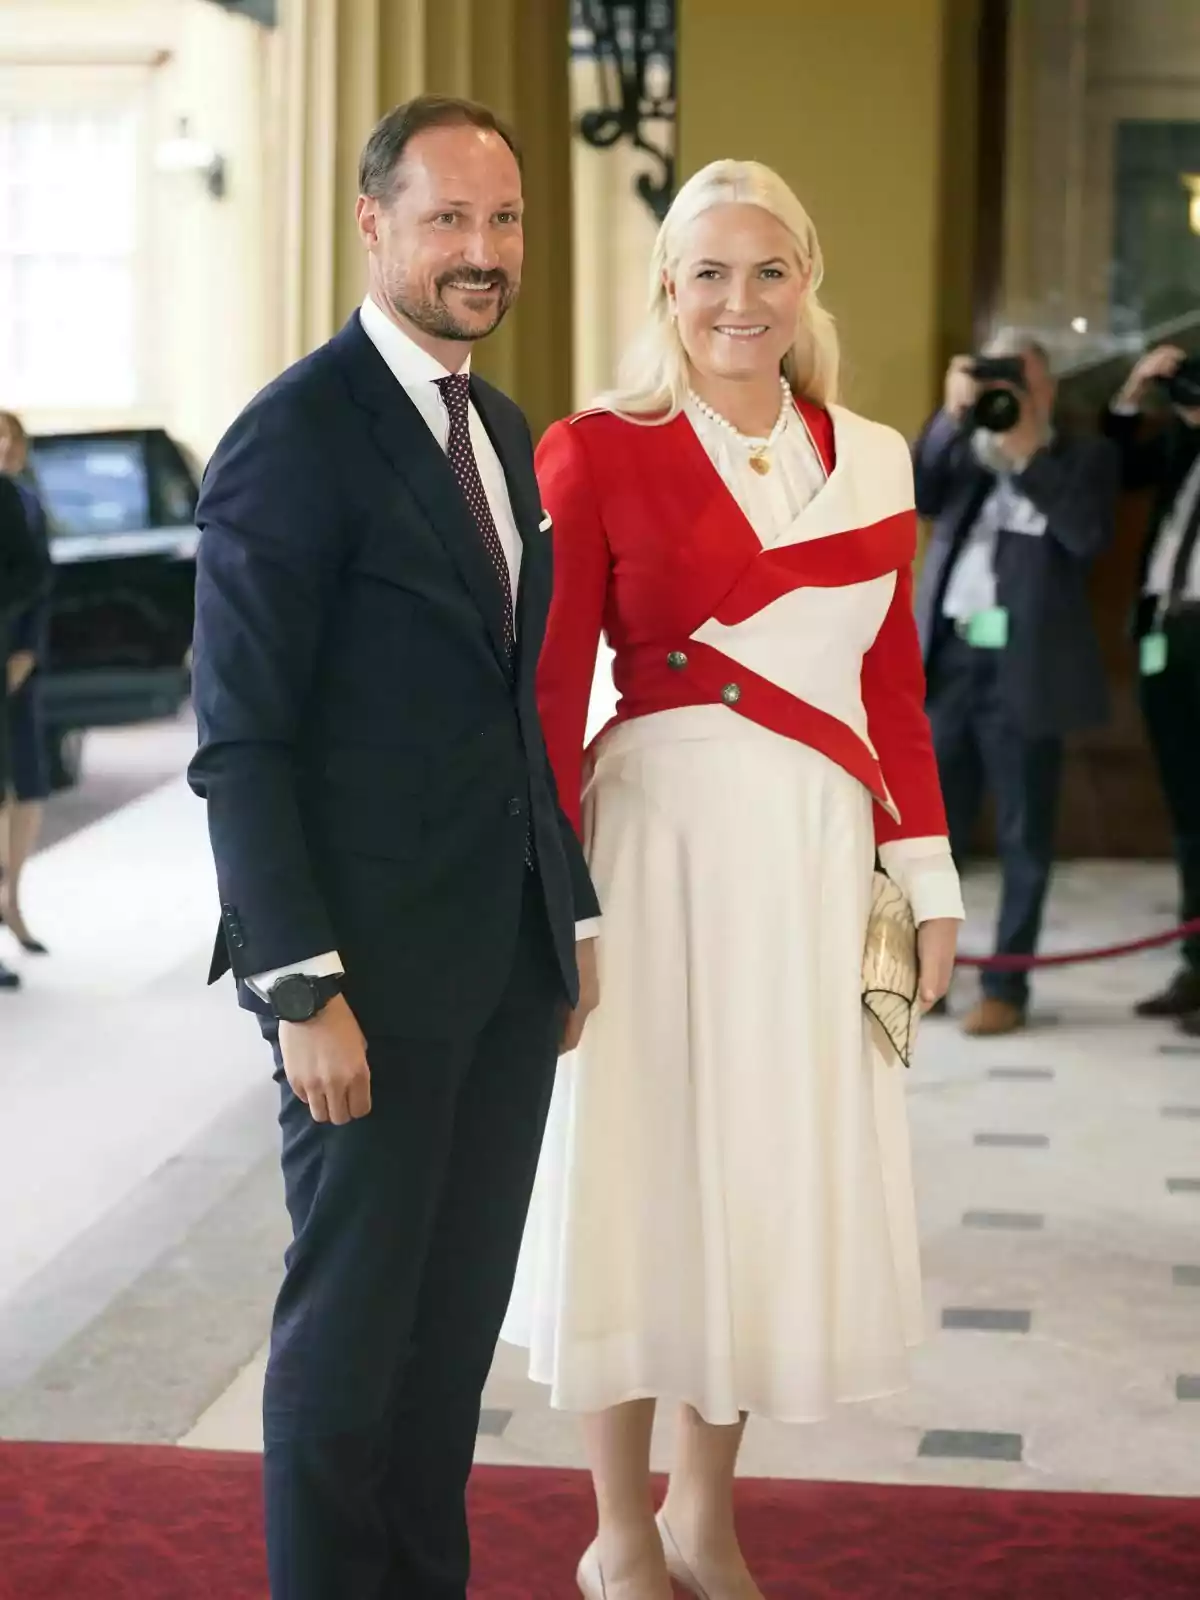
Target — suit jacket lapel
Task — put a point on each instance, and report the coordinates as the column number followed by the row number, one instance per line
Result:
column 405, row 440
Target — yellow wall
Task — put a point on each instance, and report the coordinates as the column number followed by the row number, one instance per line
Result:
column 614, row 232
column 215, row 285
column 848, row 100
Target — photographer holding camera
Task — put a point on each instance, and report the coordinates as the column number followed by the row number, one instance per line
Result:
column 1020, row 511
column 1167, row 623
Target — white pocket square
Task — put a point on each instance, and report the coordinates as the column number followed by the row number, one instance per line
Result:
column 546, row 522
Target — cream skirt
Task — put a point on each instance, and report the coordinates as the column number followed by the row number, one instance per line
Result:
column 724, row 1211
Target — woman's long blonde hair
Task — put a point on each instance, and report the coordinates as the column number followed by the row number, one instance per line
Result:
column 653, row 381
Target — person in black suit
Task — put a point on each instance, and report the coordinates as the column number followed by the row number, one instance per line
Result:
column 1011, row 650
column 403, row 900
column 1167, row 630
column 24, row 575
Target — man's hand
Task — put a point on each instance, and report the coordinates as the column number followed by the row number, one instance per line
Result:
column 1027, row 438
column 937, row 943
column 325, row 1060
column 1155, row 364
column 961, row 388
column 20, row 664
column 589, row 996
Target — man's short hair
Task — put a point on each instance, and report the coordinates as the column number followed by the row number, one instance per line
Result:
column 392, row 134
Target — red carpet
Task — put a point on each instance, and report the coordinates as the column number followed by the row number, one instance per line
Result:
column 96, row 1522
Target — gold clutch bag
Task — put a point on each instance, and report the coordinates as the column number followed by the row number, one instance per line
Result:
column 889, row 974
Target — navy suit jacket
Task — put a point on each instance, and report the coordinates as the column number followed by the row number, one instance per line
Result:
column 1052, row 672
column 371, row 760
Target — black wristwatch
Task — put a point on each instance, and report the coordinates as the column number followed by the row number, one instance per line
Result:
column 298, row 997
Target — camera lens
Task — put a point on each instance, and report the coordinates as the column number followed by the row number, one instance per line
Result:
column 996, row 410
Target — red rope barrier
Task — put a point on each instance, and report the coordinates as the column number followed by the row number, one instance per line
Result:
column 1068, row 958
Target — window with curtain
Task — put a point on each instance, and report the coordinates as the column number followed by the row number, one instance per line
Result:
column 68, row 258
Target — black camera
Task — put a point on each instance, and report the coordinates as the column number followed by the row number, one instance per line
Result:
column 998, row 410
column 1183, row 386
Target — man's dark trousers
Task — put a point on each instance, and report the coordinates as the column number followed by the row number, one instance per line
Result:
column 979, row 749
column 1171, row 707
column 407, row 1226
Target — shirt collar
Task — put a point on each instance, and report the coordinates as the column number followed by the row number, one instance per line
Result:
column 408, row 363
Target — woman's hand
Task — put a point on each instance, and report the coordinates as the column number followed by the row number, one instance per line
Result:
column 937, row 942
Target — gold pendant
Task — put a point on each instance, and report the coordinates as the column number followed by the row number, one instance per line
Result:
column 760, row 465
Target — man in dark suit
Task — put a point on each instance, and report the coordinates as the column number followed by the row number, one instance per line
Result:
column 1011, row 652
column 24, row 575
column 1167, row 630
column 401, row 893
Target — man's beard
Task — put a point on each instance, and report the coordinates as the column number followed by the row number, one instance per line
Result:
column 434, row 316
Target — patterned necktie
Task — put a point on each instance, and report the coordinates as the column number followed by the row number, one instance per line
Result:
column 456, row 392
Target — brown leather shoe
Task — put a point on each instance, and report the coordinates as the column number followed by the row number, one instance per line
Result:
column 1178, row 999
column 991, row 1017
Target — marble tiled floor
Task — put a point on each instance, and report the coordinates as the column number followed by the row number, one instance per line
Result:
column 1059, row 1182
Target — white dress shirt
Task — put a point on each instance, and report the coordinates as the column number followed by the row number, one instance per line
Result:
column 971, row 586
column 1165, row 550
column 923, row 868
column 417, row 372
column 1161, row 566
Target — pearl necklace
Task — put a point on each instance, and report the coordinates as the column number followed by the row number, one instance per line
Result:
column 759, row 448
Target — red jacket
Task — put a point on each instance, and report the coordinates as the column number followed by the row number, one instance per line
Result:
column 651, row 548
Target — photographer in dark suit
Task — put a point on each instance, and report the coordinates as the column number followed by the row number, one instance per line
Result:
column 1167, row 624
column 402, row 894
column 1020, row 512
column 24, row 575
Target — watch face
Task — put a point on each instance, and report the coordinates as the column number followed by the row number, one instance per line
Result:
column 293, row 999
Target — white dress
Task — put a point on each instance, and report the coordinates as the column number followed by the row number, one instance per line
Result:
column 724, row 1210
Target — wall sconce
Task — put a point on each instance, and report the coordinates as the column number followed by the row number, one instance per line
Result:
column 632, row 43
column 183, row 153
column 1191, row 182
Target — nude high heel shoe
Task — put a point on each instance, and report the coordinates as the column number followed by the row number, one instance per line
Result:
column 684, row 1576
column 589, row 1577
column 680, row 1572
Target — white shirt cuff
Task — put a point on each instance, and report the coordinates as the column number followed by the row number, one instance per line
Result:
column 323, row 966
column 924, row 870
column 1122, row 408
column 588, row 929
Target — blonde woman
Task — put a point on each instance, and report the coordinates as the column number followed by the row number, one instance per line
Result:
column 724, row 1215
